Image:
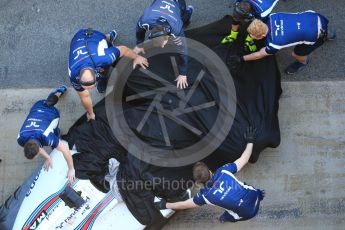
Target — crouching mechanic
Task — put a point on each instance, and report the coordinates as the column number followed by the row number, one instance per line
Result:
column 248, row 10
column 162, row 20
column 91, row 55
column 307, row 30
column 223, row 189
column 41, row 129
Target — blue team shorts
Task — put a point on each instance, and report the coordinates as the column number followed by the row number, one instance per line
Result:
column 303, row 49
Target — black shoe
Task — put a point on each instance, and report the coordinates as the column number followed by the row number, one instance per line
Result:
column 102, row 84
column 295, row 67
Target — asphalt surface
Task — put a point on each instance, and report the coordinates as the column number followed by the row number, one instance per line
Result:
column 35, row 35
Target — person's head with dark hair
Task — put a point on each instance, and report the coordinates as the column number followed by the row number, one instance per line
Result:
column 87, row 78
column 242, row 10
column 201, row 173
column 31, row 149
column 159, row 36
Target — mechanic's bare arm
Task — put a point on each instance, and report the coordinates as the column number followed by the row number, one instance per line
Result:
column 48, row 163
column 86, row 100
column 139, row 50
column 127, row 52
column 68, row 157
column 43, row 153
column 243, row 160
column 137, row 59
column 187, row 204
column 257, row 55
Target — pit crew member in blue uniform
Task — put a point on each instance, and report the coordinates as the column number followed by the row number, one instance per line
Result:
column 91, row 55
column 223, row 189
column 162, row 20
column 41, row 129
column 306, row 31
column 248, row 10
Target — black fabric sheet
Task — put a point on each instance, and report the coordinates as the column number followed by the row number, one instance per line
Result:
column 258, row 90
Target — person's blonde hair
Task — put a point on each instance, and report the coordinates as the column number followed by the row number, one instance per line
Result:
column 257, row 28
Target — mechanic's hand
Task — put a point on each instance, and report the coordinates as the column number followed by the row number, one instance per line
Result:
column 182, row 82
column 160, row 203
column 186, row 195
column 250, row 134
column 140, row 60
column 48, row 164
column 234, row 62
column 236, row 59
column 138, row 50
column 71, row 175
column 90, row 116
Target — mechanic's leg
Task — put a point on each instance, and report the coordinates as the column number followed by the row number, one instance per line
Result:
column 329, row 32
column 111, row 37
column 301, row 59
column 233, row 33
column 299, row 64
column 229, row 216
column 183, row 7
column 301, row 53
column 250, row 208
column 54, row 96
column 235, row 26
column 186, row 12
column 57, row 131
column 253, row 209
column 103, row 81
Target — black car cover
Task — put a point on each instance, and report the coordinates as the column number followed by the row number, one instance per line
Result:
column 257, row 89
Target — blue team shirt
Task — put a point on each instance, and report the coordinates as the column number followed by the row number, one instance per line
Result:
column 263, row 8
column 159, row 12
column 289, row 29
column 41, row 124
column 226, row 191
column 103, row 55
column 169, row 14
